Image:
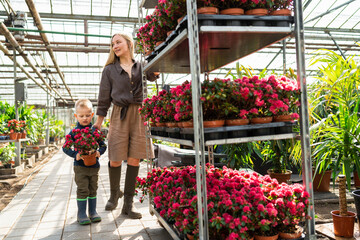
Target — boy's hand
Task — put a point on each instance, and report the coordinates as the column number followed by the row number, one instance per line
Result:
column 97, row 154
column 78, row 157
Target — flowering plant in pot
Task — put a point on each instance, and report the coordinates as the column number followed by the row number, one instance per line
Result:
column 168, row 106
column 173, row 9
column 213, row 98
column 283, row 4
column 232, row 4
column 286, row 102
column 85, row 141
column 153, row 31
column 13, row 126
column 208, row 3
column 23, row 128
column 239, row 202
column 292, row 203
column 146, row 110
column 182, row 102
column 253, row 4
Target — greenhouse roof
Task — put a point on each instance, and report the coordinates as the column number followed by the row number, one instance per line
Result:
column 330, row 24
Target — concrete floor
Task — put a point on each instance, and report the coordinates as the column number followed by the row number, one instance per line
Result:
column 46, row 208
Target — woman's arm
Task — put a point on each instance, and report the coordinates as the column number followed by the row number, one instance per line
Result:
column 104, row 98
column 99, row 121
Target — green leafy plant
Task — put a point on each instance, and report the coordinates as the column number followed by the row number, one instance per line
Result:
column 336, row 105
column 278, row 153
column 7, row 154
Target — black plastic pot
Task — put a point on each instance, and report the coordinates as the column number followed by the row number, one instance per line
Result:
column 356, row 195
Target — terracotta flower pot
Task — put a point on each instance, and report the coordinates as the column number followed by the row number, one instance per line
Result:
column 343, row 225
column 213, row 124
column 236, row 122
column 280, row 177
column 189, row 236
column 283, row 118
column 322, row 185
column 188, row 124
column 169, row 32
column 232, row 11
column 89, row 160
column 180, row 124
column 18, row 135
column 160, row 124
column 158, row 43
column 13, row 136
column 258, row 237
column 295, row 235
column 261, row 120
column 171, row 124
column 23, row 135
column 179, row 19
column 281, row 12
column 208, row 10
column 257, row 12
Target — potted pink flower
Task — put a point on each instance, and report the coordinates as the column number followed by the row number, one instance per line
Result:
column 85, row 142
column 239, row 203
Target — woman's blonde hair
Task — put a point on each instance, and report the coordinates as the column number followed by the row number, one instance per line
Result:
column 112, row 57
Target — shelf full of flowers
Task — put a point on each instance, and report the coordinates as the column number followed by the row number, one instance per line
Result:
column 220, row 42
column 241, row 205
column 240, row 110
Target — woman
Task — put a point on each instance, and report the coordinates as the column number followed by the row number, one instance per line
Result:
column 121, row 85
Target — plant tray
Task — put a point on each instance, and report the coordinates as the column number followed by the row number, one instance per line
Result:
column 173, row 132
column 241, row 131
column 240, row 20
column 159, row 131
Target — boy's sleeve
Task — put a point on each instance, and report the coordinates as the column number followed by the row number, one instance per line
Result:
column 102, row 147
column 70, row 152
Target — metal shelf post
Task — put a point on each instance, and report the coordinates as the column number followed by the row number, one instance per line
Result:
column 194, row 54
column 304, row 117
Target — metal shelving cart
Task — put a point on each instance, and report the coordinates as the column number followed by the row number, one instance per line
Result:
column 209, row 48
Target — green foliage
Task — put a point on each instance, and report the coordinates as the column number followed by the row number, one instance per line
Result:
column 7, row 153
column 240, row 155
column 56, row 127
column 335, row 104
column 278, row 153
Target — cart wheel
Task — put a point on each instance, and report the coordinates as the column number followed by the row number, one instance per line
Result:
column 161, row 224
column 151, row 212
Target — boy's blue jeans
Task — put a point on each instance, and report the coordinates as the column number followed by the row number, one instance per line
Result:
column 86, row 180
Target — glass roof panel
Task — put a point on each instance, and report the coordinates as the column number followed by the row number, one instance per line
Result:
column 80, row 68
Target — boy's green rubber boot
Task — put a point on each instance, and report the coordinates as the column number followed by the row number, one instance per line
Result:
column 82, row 218
column 94, row 216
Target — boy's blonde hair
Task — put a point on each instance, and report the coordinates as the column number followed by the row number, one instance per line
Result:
column 83, row 103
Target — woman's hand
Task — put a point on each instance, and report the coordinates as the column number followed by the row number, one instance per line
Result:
column 98, row 122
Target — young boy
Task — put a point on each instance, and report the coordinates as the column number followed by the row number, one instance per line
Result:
column 86, row 177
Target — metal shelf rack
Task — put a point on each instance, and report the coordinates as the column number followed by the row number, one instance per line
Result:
column 206, row 52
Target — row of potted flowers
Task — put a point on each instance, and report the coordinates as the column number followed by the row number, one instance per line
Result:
column 240, row 204
column 165, row 17
column 247, row 99
column 16, row 129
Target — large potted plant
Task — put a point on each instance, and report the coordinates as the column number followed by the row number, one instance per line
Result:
column 338, row 122
column 278, row 153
